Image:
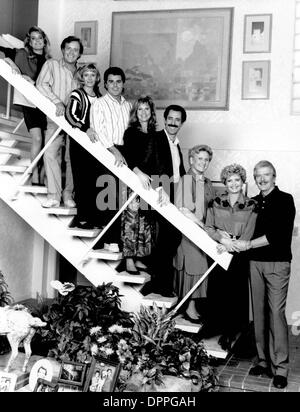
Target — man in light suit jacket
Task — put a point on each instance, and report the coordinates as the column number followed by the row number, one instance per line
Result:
column 164, row 163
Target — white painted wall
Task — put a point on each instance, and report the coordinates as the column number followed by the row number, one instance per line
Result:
column 16, row 248
column 251, row 129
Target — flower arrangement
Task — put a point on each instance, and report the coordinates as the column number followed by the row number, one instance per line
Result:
column 151, row 349
column 71, row 316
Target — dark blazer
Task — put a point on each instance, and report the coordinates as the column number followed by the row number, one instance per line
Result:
column 158, row 162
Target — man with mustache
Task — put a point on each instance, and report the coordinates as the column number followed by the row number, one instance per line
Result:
column 164, row 163
column 270, row 265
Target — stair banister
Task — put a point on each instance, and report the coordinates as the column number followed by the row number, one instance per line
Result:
column 170, row 212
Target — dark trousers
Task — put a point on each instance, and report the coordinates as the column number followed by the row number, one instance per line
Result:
column 228, row 297
column 85, row 170
column 161, row 260
column 269, row 285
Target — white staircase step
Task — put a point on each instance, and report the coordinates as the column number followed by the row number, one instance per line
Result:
column 33, row 189
column 185, row 325
column 14, row 136
column 12, row 168
column 140, row 279
column 75, row 231
column 105, row 254
column 61, row 210
column 12, row 121
column 159, row 300
column 213, row 348
column 14, row 151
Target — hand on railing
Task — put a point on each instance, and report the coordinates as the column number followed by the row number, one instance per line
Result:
column 60, row 109
column 119, row 159
column 92, row 135
column 144, row 178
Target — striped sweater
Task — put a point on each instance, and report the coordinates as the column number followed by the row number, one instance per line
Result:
column 78, row 110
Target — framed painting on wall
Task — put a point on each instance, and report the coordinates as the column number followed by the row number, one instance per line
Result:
column 256, row 79
column 178, row 56
column 257, row 33
column 87, row 31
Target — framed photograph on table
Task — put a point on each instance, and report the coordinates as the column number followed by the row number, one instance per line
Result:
column 102, row 376
column 87, row 31
column 72, row 373
column 7, row 382
column 176, row 56
column 257, row 33
column 256, row 79
column 42, row 385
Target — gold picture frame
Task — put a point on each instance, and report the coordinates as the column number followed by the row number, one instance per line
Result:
column 256, row 79
column 177, row 56
column 87, row 31
column 257, row 33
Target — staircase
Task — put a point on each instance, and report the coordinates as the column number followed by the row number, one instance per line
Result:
column 77, row 247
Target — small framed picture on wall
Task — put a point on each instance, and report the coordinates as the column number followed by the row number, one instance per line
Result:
column 256, row 79
column 87, row 31
column 257, row 33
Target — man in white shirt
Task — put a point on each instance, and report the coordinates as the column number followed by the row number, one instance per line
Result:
column 109, row 118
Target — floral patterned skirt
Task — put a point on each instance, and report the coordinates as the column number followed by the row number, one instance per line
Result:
column 137, row 233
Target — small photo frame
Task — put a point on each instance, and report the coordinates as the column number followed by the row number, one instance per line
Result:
column 72, row 373
column 42, row 385
column 87, row 31
column 62, row 387
column 102, row 376
column 7, row 382
column 256, row 79
column 257, row 33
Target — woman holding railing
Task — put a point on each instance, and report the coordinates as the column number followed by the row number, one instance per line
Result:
column 28, row 62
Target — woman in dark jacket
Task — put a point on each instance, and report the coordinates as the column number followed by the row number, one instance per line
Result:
column 137, row 228
column 28, row 62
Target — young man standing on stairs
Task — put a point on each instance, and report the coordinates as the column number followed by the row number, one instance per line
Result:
column 109, row 119
column 56, row 81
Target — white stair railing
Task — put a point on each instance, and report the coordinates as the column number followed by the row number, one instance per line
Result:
column 170, row 212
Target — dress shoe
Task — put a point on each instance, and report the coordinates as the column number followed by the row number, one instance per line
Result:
column 280, row 382
column 259, row 370
column 225, row 342
column 51, row 203
column 167, row 294
column 192, row 320
column 69, row 203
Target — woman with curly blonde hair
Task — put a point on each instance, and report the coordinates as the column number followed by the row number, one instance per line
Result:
column 28, row 61
column 230, row 216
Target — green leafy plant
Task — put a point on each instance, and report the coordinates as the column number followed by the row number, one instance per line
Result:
column 70, row 318
column 5, row 299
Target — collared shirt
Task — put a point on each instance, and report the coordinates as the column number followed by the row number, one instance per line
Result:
column 276, row 214
column 175, row 157
column 109, row 118
column 56, row 81
column 237, row 220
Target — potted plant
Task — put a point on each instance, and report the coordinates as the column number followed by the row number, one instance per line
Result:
column 152, row 352
column 69, row 320
column 5, row 299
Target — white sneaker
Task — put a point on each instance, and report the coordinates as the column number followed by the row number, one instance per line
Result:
column 69, row 203
column 51, row 203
